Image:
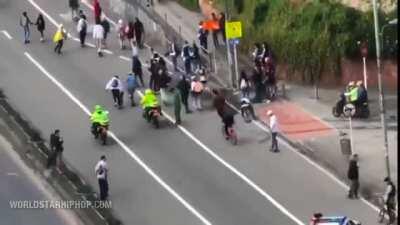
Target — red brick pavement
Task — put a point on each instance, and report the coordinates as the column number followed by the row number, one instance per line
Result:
column 295, row 122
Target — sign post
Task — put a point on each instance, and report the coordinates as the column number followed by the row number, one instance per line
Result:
column 233, row 31
column 349, row 110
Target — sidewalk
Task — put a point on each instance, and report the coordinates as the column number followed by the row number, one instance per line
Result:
column 308, row 123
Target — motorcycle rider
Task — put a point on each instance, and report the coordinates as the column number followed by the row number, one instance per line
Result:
column 362, row 93
column 148, row 102
column 98, row 118
column 352, row 93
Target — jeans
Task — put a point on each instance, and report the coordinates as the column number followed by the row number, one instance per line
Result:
column 27, row 34
column 103, row 186
column 274, row 146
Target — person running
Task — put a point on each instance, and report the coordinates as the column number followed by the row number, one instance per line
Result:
column 58, row 38
column 121, row 33
column 82, row 30
column 24, row 21
column 40, row 25
column 116, row 87
column 98, row 36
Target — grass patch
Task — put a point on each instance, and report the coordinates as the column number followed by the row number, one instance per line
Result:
column 190, row 4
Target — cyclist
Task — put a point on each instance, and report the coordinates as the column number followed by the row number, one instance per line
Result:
column 148, row 102
column 98, row 118
column 389, row 199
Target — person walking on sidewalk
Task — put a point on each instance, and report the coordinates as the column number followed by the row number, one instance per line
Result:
column 215, row 31
column 184, row 89
column 56, row 146
column 139, row 32
column 274, row 126
column 25, row 22
column 98, row 36
column 101, row 170
column 82, row 30
column 389, row 198
column 202, row 35
column 352, row 175
column 40, row 24
column 116, row 87
column 197, row 90
column 186, row 57
column 58, row 38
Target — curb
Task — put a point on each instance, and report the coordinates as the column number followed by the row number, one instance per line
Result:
column 67, row 182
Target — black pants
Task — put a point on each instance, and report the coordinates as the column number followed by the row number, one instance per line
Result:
column 59, row 46
column 215, row 38
column 103, row 186
column 188, row 64
column 116, row 96
column 185, row 102
column 274, row 146
column 204, row 44
column 354, row 185
column 82, row 37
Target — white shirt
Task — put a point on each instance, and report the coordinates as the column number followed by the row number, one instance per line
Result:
column 135, row 51
column 80, row 24
column 98, row 31
column 109, row 86
column 273, row 124
column 101, row 164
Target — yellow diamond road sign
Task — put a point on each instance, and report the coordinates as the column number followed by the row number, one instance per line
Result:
column 233, row 29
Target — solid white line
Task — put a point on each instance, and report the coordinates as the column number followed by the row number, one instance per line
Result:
column 7, row 34
column 124, row 147
column 125, row 58
column 316, row 165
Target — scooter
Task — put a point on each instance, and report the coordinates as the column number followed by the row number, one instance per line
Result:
column 247, row 110
column 153, row 116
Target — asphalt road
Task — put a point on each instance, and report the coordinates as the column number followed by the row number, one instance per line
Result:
column 19, row 183
column 185, row 175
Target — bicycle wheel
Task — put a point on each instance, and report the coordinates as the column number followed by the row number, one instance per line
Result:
column 381, row 215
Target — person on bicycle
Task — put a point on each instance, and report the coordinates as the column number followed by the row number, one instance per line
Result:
column 389, row 199
column 148, row 102
column 98, row 118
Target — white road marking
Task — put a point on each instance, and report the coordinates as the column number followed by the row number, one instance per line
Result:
column 12, row 174
column 323, row 170
column 125, row 58
column 7, row 34
column 123, row 146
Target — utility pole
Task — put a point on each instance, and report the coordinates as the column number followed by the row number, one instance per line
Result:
column 228, row 50
column 381, row 96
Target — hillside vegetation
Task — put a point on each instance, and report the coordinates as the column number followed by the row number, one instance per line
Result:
column 310, row 36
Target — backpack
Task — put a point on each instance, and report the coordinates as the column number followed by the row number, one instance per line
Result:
column 132, row 82
column 114, row 83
